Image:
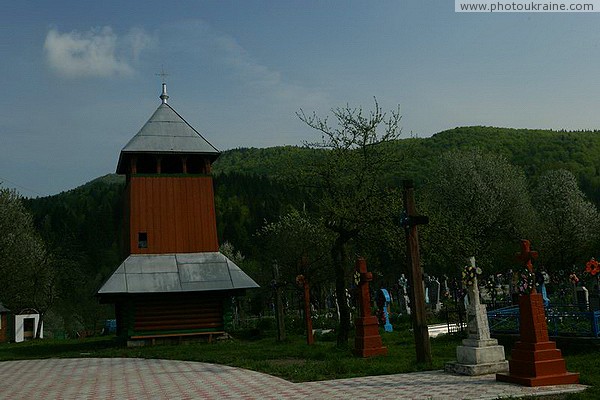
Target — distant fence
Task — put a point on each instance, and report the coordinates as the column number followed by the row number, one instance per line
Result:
column 564, row 321
column 455, row 317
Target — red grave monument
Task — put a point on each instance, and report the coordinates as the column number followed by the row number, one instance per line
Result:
column 301, row 280
column 367, row 341
column 535, row 359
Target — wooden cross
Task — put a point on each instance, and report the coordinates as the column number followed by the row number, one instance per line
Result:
column 526, row 256
column 364, row 296
column 410, row 221
column 303, row 282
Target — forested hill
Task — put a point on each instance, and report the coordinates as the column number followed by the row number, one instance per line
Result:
column 84, row 225
column 534, row 151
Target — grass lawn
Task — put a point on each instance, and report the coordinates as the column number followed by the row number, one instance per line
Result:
column 294, row 360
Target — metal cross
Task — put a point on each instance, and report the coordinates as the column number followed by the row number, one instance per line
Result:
column 162, row 74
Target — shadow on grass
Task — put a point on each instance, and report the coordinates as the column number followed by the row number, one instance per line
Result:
column 47, row 348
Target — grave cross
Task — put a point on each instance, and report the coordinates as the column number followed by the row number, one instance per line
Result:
column 303, row 282
column 279, row 313
column 410, row 221
column 364, row 277
column 367, row 341
column 526, row 256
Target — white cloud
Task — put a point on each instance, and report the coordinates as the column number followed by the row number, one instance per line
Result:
column 138, row 40
column 97, row 53
column 196, row 38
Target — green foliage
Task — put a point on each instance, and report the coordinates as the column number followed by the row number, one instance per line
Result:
column 347, row 181
column 351, row 193
column 479, row 206
column 534, row 151
column 294, row 236
column 28, row 274
column 567, row 230
column 83, row 230
column 245, row 202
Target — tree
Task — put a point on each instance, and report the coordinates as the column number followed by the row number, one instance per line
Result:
column 568, row 231
column 25, row 266
column 294, row 236
column 479, row 206
column 347, row 182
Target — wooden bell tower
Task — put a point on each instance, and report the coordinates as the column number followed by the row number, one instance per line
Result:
column 169, row 194
column 174, row 281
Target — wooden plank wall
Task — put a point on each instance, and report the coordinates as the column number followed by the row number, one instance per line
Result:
column 3, row 328
column 177, row 213
column 185, row 312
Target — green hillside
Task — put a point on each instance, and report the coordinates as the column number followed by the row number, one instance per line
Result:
column 84, row 225
column 535, row 151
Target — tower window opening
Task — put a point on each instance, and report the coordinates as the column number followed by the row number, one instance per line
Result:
column 196, row 165
column 171, row 164
column 146, row 164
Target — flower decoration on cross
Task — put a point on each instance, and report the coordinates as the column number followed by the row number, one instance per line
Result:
column 526, row 282
column 469, row 275
column 592, row 267
column 574, row 278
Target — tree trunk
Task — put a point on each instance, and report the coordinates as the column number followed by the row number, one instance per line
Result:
column 338, row 255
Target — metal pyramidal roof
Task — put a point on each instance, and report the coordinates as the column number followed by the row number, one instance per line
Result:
column 182, row 272
column 167, row 132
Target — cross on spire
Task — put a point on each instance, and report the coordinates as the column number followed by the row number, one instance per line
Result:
column 162, row 74
column 164, row 96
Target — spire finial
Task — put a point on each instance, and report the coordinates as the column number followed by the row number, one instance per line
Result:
column 164, row 96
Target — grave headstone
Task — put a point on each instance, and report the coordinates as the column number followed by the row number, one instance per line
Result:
column 582, row 298
column 383, row 301
column 445, row 288
column 479, row 353
column 535, row 359
column 542, row 279
column 367, row 341
column 435, row 294
column 403, row 298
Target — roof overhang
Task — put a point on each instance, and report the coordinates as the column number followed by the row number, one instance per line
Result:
column 172, row 273
column 166, row 132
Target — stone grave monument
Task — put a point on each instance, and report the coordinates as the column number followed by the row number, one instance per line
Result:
column 367, row 341
column 436, row 302
column 404, row 300
column 535, row 360
column 479, row 354
column 582, row 297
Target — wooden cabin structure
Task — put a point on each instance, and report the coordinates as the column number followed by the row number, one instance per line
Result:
column 174, row 282
column 4, row 328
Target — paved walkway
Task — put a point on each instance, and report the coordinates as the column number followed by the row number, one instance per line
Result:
column 132, row 378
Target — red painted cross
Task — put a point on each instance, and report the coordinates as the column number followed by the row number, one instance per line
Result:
column 527, row 255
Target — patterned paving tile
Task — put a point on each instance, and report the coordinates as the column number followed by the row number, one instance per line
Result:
column 117, row 378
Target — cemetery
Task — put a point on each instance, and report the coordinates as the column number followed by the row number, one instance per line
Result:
column 317, row 301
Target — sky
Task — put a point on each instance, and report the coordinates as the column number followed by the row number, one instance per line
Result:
column 79, row 78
